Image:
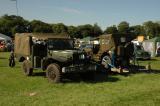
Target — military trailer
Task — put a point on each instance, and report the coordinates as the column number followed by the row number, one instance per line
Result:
column 54, row 53
column 112, row 50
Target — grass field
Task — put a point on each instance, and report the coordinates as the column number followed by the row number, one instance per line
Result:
column 138, row 89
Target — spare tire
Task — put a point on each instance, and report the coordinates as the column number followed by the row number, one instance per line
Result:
column 27, row 68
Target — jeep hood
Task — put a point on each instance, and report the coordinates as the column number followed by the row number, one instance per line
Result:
column 64, row 55
column 142, row 51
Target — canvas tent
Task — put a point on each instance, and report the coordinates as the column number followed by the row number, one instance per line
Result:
column 5, row 37
column 152, row 45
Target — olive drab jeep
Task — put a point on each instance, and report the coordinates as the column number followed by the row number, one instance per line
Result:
column 111, row 50
column 54, row 53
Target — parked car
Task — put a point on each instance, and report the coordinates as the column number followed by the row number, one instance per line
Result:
column 158, row 51
column 140, row 53
column 2, row 47
column 86, row 46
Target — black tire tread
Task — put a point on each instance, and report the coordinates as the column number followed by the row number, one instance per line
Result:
column 56, row 69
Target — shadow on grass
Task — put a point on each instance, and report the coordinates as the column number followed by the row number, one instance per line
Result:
column 77, row 78
column 142, row 69
column 146, row 71
column 153, row 60
column 3, row 58
column 97, row 78
column 7, row 66
column 39, row 74
column 3, row 66
column 135, row 70
column 149, row 60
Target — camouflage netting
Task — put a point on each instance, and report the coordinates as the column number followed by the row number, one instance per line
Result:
column 23, row 41
column 110, row 41
column 106, row 42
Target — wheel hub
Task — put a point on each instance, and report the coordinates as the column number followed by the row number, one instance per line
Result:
column 106, row 61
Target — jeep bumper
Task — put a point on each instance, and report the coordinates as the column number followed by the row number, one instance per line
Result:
column 79, row 68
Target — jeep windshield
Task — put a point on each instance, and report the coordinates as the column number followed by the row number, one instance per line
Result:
column 139, row 47
column 60, row 44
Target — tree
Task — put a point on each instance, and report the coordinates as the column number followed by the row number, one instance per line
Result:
column 111, row 30
column 89, row 30
column 41, row 27
column 73, row 32
column 59, row 28
column 85, row 30
column 157, row 29
column 137, row 30
column 12, row 24
column 9, row 25
column 151, row 29
column 148, row 27
column 96, row 30
column 123, row 27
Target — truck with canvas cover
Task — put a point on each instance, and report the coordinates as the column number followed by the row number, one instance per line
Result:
column 54, row 53
column 112, row 50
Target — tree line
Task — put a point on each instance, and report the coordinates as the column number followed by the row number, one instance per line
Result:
column 11, row 24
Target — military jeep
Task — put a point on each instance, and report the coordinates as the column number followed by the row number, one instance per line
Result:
column 54, row 53
column 111, row 50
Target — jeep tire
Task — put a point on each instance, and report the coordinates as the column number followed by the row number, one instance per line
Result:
column 53, row 73
column 26, row 67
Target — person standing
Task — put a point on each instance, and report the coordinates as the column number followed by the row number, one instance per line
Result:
column 11, row 59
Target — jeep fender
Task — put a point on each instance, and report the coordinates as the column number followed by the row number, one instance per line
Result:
column 47, row 61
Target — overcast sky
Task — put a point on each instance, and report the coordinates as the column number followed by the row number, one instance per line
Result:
column 78, row 12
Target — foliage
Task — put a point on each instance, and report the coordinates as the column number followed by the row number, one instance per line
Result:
column 96, row 30
column 41, row 27
column 137, row 30
column 152, row 29
column 73, row 31
column 59, row 28
column 12, row 24
column 88, row 30
column 123, row 27
column 85, row 30
column 111, row 30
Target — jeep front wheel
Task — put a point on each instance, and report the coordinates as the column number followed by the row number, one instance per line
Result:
column 53, row 73
column 26, row 67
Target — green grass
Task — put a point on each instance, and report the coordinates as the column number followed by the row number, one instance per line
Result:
column 139, row 89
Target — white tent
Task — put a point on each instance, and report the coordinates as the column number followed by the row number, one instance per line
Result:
column 152, row 45
column 4, row 37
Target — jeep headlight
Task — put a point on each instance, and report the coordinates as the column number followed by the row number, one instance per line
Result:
column 82, row 56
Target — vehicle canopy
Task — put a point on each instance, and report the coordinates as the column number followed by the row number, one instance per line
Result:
column 23, row 41
column 109, row 41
